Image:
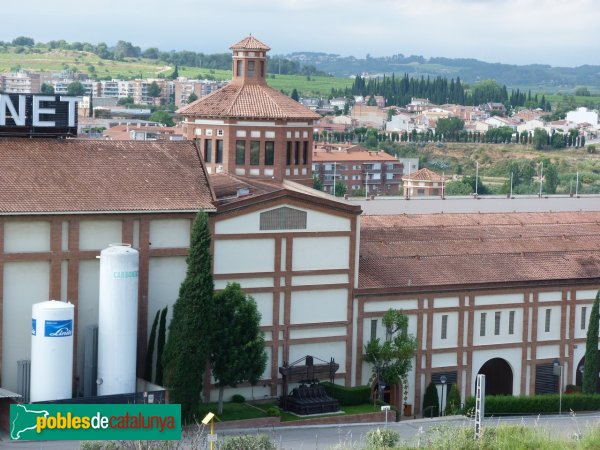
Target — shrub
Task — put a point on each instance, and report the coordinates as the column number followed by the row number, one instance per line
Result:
column 348, row 396
column 453, row 403
column 382, row 439
column 247, row 442
column 273, row 411
column 536, row 404
column 238, row 398
column 431, row 401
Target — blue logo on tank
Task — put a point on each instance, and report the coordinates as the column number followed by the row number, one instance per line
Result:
column 58, row 328
column 33, row 327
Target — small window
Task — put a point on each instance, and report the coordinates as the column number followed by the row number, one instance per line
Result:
column 209, row 132
column 583, row 317
column 373, row 329
column 482, row 324
column 269, row 153
column 497, row 316
column 219, row 152
column 511, row 322
column 219, row 132
column 388, row 334
column 240, row 153
column 207, row 150
column 547, row 324
column 444, row 326
column 254, row 153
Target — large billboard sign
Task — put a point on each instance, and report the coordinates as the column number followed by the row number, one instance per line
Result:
column 38, row 115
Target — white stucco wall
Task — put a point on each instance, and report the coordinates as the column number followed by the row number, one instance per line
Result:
column 26, row 237
column 244, row 256
column 164, row 279
column 99, row 234
column 170, row 233
column 321, row 253
column 451, row 330
column 554, row 332
column 504, row 337
column 323, row 305
column 324, row 351
column 250, row 223
column 25, row 283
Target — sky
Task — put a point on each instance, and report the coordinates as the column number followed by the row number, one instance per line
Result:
column 555, row 32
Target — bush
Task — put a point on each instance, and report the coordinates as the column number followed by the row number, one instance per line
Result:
column 247, row 442
column 536, row 404
column 453, row 403
column 380, row 439
column 237, row 398
column 348, row 396
column 431, row 401
column 273, row 411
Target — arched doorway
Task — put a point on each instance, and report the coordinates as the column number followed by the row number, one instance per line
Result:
column 498, row 377
column 579, row 374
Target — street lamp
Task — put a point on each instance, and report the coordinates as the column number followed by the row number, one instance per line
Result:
column 558, row 370
column 443, row 380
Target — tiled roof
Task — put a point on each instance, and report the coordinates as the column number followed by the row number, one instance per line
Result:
column 424, row 175
column 61, row 176
column 351, row 154
column 257, row 101
column 427, row 251
column 250, row 43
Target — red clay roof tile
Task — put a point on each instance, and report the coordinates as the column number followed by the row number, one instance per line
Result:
column 73, row 175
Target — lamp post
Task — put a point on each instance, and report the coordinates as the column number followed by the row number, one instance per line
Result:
column 558, row 370
column 443, row 380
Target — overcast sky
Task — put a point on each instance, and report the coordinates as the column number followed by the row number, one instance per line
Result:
column 556, row 32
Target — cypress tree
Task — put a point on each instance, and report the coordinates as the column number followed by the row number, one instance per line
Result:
column 431, row 401
column 161, row 345
column 150, row 351
column 590, row 369
column 187, row 349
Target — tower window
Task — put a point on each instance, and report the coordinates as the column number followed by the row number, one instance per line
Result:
column 262, row 69
column 240, row 152
column 254, row 153
column 269, row 153
column 240, row 69
column 250, row 68
column 288, row 153
column 297, row 154
column 219, row 151
column 305, row 152
column 207, row 150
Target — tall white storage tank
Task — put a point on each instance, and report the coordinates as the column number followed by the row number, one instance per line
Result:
column 51, row 350
column 117, row 319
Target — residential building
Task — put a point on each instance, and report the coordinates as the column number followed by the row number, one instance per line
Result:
column 369, row 116
column 423, row 183
column 20, row 83
column 372, row 172
column 582, row 115
column 143, row 133
column 185, row 87
column 401, row 122
column 418, row 105
column 250, row 129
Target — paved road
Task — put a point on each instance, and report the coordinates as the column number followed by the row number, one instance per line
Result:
column 325, row 436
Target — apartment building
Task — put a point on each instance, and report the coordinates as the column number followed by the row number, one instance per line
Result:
column 184, row 87
column 20, row 83
column 373, row 172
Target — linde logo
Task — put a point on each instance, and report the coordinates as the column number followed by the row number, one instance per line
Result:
column 58, row 328
column 33, row 327
column 31, row 114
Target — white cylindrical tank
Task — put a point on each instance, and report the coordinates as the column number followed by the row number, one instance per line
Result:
column 117, row 319
column 51, row 350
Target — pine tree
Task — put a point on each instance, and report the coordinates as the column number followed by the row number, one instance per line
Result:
column 161, row 345
column 187, row 349
column 590, row 369
column 150, row 351
column 295, row 95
